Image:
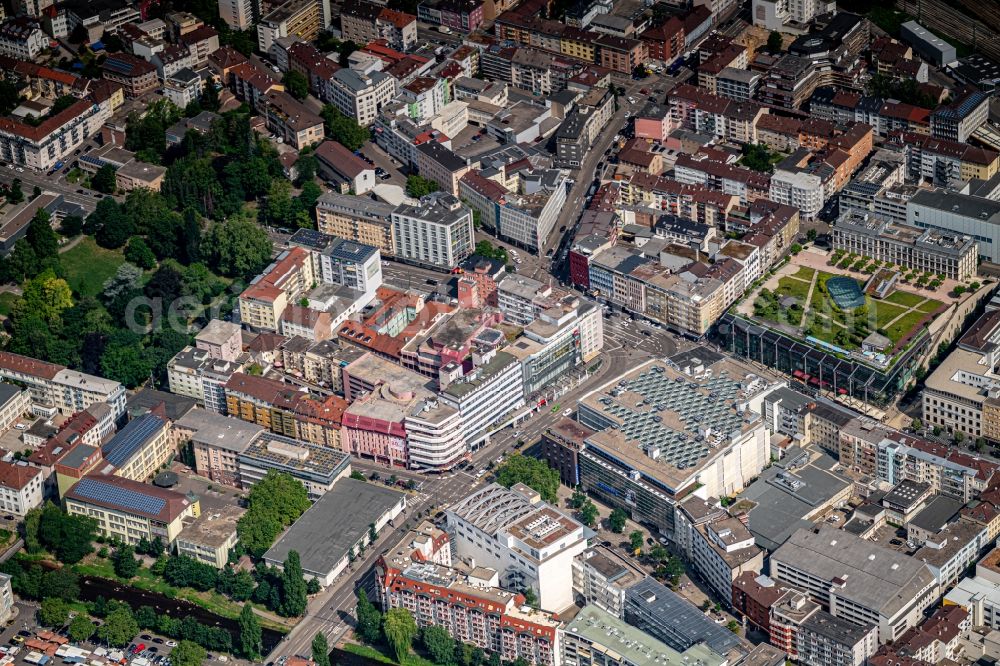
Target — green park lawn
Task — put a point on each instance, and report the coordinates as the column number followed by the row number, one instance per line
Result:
column 88, row 266
column 905, row 298
column 805, row 273
column 788, row 286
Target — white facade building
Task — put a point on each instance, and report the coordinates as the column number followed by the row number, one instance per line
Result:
column 529, row 542
column 436, row 233
column 799, row 189
column 485, row 396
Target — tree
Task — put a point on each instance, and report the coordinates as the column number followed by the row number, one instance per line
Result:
column 125, row 563
column 589, row 513
column 71, row 225
column 320, row 650
column 126, row 362
column 45, row 296
column 369, row 625
column 733, row 626
column 109, row 224
column 635, row 541
column 916, row 424
column 417, row 186
column 69, row 537
column 400, row 630
column 81, row 628
column 15, row 195
column 958, row 436
column 104, row 180
column 774, row 41
column 60, row 583
column 41, row 237
column 119, row 627
column 439, row 644
column 53, row 612
column 29, row 530
column 250, row 634
column 811, row 235
column 139, row 253
column 273, row 504
column 294, row 597
column 616, row 521
column 531, row 472
column 187, row 653
column 296, row 84
column 342, row 129
column 237, row 248
column 756, row 156
column 795, row 248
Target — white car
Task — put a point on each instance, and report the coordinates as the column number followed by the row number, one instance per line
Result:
column 20, row 170
column 171, row 643
column 21, row 426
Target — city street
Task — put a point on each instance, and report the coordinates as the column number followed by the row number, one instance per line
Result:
column 332, row 610
column 30, row 179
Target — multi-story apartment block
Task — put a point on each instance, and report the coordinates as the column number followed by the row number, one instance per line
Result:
column 129, row 510
column 601, row 577
column 810, row 635
column 361, row 96
column 280, row 284
column 958, row 119
column 138, row 450
column 357, row 218
column 41, row 146
column 486, row 396
column 221, row 339
column 437, row 232
column 134, row 74
column 195, row 373
column 217, row 442
column 942, row 161
column 239, row 14
column 283, row 410
column 528, row 542
column 526, row 218
column 955, row 257
column 22, row 38
column 211, row 536
column 54, row 387
column 884, row 588
column 363, row 22
column 440, row 164
column 291, row 120
column 302, row 18
column 469, row 606
column 21, row 487
column 802, row 190
column 796, row 14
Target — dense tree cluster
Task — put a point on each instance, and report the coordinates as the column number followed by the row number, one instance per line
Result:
column 273, row 504
column 417, row 186
column 531, row 472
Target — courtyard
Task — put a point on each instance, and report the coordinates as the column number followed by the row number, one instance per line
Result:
column 797, row 300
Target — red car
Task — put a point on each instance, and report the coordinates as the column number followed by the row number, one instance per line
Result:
column 139, row 648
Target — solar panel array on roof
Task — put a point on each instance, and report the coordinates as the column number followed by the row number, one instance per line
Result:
column 123, row 445
column 128, row 500
column 693, row 407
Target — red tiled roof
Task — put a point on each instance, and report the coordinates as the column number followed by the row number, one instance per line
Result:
column 29, row 366
column 16, row 477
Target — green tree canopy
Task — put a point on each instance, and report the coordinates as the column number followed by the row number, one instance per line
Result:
column 438, row 643
column 119, row 627
column 54, row 612
column 251, row 644
column 532, row 472
column 296, row 84
column 369, row 627
column 125, row 563
column 187, row 653
column 138, row 252
column 400, row 629
column 237, row 248
column 342, row 129
column 774, row 41
column 320, row 650
column 273, row 504
column 418, row 186
column 293, row 585
column 105, row 180
column 616, row 521
column 81, row 628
